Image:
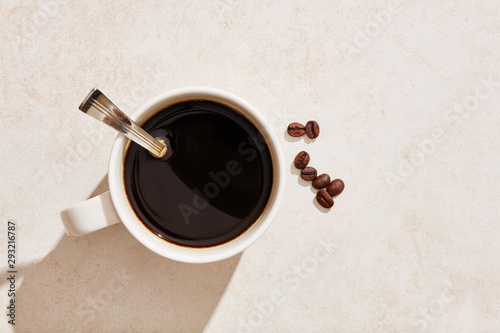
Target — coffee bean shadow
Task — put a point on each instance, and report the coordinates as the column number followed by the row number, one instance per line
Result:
column 321, row 208
column 304, row 137
column 307, row 140
column 290, row 138
column 109, row 282
column 294, row 170
column 313, row 190
column 304, row 183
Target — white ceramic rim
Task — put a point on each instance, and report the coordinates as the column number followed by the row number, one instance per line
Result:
column 188, row 254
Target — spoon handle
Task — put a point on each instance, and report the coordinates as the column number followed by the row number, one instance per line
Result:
column 98, row 106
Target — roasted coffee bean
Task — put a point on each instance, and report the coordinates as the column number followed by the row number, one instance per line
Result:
column 296, row 129
column 312, row 129
column 321, row 181
column 301, row 160
column 336, row 187
column 308, row 173
column 324, row 199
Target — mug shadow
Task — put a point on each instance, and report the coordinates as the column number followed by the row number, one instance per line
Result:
column 108, row 281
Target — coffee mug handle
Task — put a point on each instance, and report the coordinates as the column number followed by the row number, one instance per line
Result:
column 90, row 215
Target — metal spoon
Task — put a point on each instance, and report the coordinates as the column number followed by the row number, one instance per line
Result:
column 101, row 108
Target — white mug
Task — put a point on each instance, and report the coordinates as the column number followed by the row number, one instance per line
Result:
column 113, row 206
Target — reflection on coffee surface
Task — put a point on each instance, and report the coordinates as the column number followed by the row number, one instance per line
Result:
column 214, row 186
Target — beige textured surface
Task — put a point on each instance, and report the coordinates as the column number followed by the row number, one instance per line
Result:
column 407, row 121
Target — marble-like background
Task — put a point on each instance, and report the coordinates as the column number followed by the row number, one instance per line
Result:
column 407, row 94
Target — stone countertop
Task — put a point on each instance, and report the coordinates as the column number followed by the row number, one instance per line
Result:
column 406, row 94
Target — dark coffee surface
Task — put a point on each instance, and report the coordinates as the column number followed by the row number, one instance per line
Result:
column 214, row 186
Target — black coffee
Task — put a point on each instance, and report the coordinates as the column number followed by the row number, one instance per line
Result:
column 215, row 184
